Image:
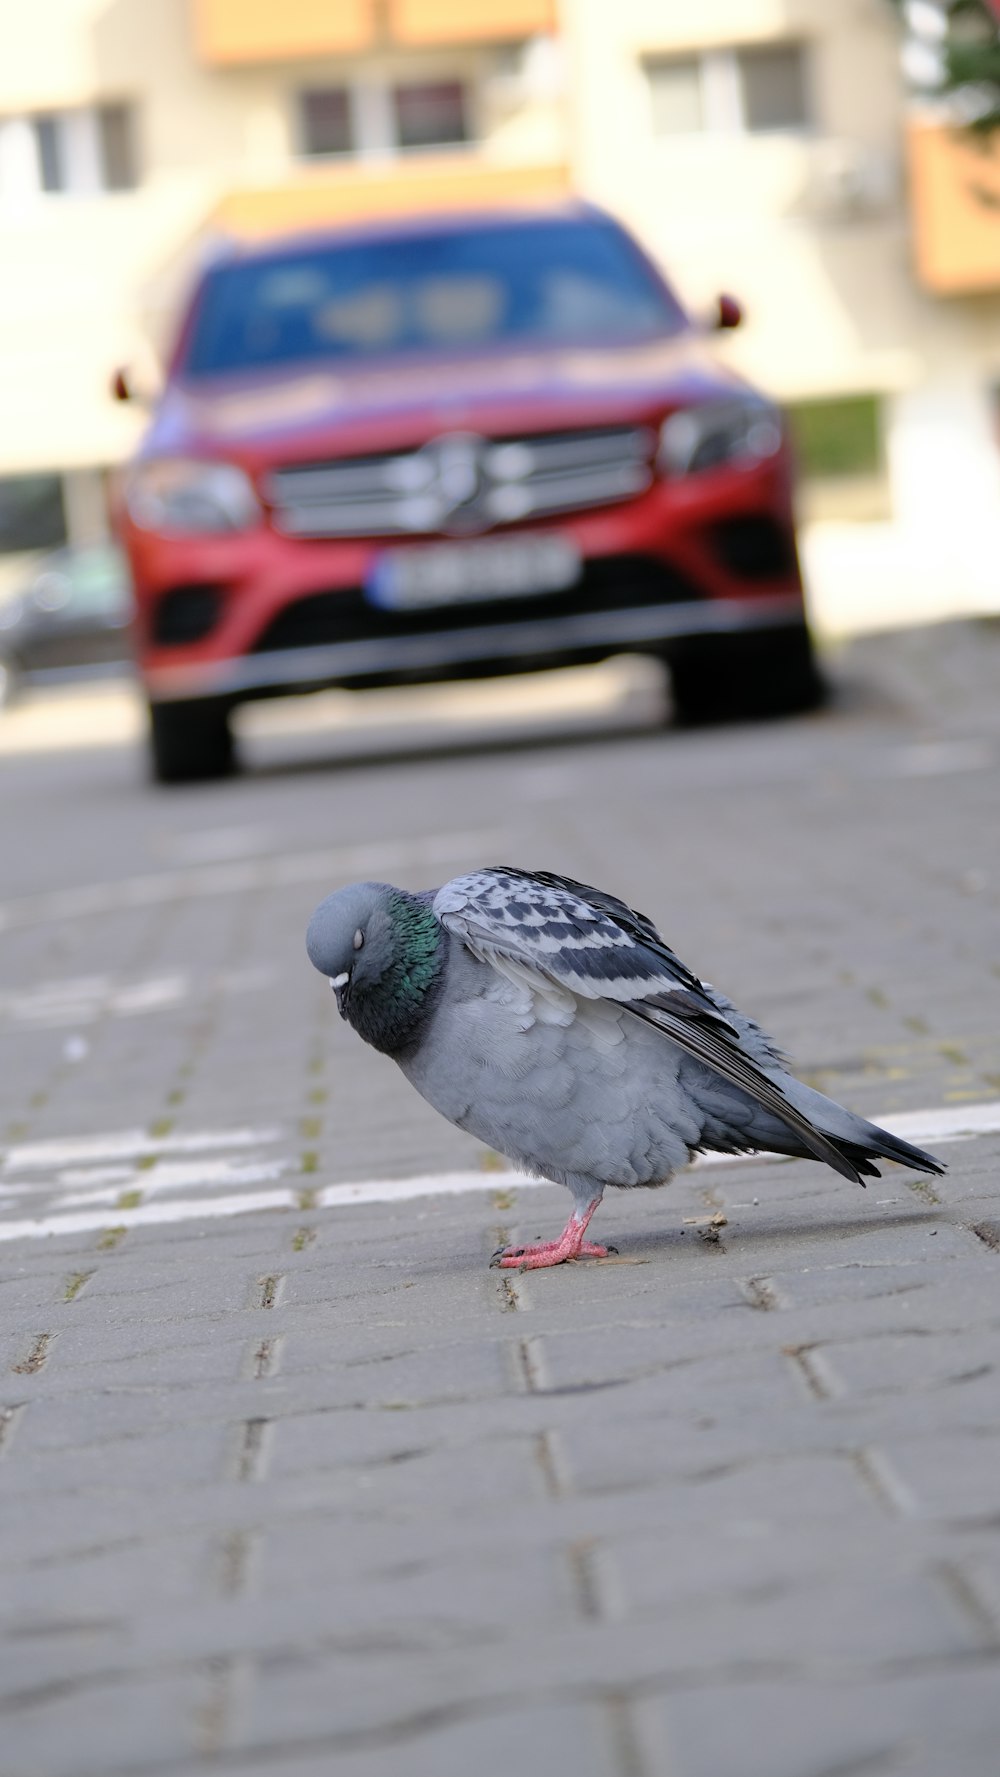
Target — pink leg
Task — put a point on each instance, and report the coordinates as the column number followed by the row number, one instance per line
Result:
column 570, row 1245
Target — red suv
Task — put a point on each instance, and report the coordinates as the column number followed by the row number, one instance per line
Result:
column 454, row 447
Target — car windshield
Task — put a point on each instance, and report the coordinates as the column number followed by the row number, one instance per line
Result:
column 554, row 283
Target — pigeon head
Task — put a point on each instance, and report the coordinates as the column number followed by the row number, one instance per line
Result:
column 381, row 950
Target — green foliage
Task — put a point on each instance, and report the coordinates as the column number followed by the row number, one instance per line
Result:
column 837, row 437
column 970, row 63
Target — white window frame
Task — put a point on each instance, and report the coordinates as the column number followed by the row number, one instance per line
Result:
column 20, row 162
column 721, row 82
column 373, row 121
column 80, row 152
column 78, row 146
column 722, row 93
column 371, row 111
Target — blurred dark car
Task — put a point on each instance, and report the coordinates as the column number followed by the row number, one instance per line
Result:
column 69, row 620
column 454, row 447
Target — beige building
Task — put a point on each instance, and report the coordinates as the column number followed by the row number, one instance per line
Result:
column 132, row 131
column 758, row 146
column 767, row 147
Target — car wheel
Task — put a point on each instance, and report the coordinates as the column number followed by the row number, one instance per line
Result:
column 748, row 676
column 10, row 680
column 190, row 741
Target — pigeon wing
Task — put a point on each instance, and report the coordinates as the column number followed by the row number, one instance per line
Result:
column 595, row 946
column 576, row 936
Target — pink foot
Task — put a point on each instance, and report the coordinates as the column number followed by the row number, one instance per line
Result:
column 570, row 1245
column 537, row 1258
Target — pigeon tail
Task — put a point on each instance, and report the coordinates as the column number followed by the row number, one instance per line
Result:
column 858, row 1141
column 878, row 1144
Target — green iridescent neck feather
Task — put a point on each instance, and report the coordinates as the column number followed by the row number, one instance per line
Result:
column 419, row 956
column 388, row 1013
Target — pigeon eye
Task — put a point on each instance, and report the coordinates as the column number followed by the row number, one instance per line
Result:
column 359, row 938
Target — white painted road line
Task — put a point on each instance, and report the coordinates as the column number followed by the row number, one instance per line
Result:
column 82, row 1000
column 178, row 1175
column 946, row 1124
column 934, row 1127
column 430, row 1184
column 949, row 1122
column 122, row 1144
column 87, row 1221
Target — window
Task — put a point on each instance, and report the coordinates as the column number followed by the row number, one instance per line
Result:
column 116, row 137
column 86, row 150
column 32, row 515
column 326, row 121
column 755, row 89
column 50, row 160
column 429, row 114
column 373, row 118
column 675, row 90
column 773, row 87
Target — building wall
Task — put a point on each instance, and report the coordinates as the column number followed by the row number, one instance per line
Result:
column 78, row 264
column 810, row 227
column 92, row 278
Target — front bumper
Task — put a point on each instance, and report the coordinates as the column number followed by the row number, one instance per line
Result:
column 445, row 653
column 681, row 560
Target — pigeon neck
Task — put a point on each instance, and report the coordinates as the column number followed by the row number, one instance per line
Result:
column 389, row 1014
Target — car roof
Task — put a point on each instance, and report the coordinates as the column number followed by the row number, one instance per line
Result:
column 405, row 227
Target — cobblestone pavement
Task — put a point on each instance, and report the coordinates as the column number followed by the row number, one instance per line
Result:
column 292, row 1483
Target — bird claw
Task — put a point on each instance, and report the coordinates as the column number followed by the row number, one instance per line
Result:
column 553, row 1252
column 570, row 1245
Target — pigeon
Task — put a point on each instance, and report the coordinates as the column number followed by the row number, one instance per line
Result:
column 554, row 1023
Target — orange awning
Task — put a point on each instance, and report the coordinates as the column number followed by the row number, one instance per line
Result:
column 236, row 31
column 955, row 209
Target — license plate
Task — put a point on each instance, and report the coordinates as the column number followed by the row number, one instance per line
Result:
column 467, row 573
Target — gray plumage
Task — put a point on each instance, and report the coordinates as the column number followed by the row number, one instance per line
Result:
column 554, row 1023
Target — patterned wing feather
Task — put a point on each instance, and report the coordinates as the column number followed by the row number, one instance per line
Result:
column 580, row 937
column 598, row 948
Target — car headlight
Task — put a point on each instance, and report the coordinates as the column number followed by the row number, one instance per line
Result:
column 182, row 497
column 741, row 430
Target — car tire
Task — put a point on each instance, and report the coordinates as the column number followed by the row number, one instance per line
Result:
column 745, row 677
column 10, row 681
column 190, row 742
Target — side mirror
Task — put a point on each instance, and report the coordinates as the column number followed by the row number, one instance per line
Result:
column 121, row 388
column 728, row 314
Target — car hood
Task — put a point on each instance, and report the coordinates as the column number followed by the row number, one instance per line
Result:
column 316, row 408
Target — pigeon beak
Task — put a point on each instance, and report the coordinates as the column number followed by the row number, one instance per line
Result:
column 339, row 981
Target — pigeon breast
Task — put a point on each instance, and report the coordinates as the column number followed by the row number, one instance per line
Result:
column 570, row 1088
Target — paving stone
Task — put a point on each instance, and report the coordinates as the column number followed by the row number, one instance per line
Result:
column 950, row 1477
column 920, row 1727
column 532, row 1741
column 104, row 1728
column 126, row 1464
column 918, row 1357
column 312, row 1490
